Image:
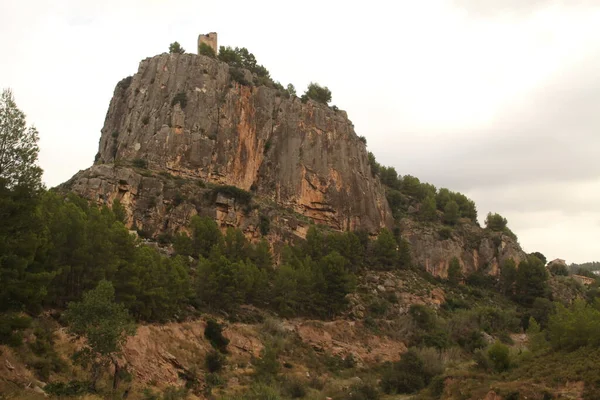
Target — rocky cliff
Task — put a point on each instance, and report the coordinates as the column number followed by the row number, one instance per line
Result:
column 475, row 248
column 182, row 127
column 184, row 116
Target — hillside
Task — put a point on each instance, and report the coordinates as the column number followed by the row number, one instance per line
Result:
column 235, row 241
column 183, row 129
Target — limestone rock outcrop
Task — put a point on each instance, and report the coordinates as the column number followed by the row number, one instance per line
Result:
column 475, row 248
column 183, row 115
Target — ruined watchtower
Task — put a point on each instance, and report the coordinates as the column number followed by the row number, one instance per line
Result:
column 209, row 39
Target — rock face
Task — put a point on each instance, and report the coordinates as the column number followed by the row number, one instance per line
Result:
column 182, row 114
column 475, row 248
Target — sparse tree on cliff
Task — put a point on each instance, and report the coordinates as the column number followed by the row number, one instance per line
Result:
column 291, row 89
column 206, row 50
column 451, row 212
column 175, row 48
column 454, row 272
column 495, row 222
column 18, row 146
column 318, row 93
column 428, row 209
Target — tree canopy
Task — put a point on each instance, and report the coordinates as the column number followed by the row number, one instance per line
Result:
column 318, row 93
column 175, row 48
column 18, row 146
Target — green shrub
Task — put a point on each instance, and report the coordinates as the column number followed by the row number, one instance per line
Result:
column 213, row 379
column 264, row 225
column 146, row 120
column 240, row 195
column 125, row 83
column 214, row 361
column 495, row 222
column 175, row 48
column 214, row 333
column 436, row 386
column 317, row 93
column 71, row 388
column 267, row 367
column 405, row 376
column 178, row 199
column 445, row 233
column 206, row 50
column 238, row 76
column 267, row 146
column 140, row 163
column 364, row 391
column 10, row 327
column 180, row 98
column 295, row 389
column 499, row 357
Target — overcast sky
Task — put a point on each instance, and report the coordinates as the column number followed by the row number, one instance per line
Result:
column 498, row 99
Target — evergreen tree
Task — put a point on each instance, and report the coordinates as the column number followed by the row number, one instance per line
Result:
column 104, row 323
column 119, row 211
column 428, row 209
column 508, row 276
column 530, row 281
column 291, row 89
column 206, row 50
column 451, row 212
column 443, row 197
column 175, row 48
column 205, row 235
column 18, row 146
column 495, row 222
column 384, row 249
column 455, row 274
column 317, row 93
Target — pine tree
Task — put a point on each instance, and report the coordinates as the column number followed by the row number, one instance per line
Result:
column 428, row 209
column 104, row 323
column 175, row 48
column 18, row 146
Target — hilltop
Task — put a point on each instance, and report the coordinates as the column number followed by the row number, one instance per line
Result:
column 235, row 241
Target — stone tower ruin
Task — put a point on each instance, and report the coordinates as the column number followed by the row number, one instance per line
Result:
column 209, row 39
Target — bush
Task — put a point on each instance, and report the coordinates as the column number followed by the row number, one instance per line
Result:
column 317, row 93
column 267, row 367
column 238, row 76
column 206, row 50
column 140, row 163
column 214, row 361
column 445, row 233
column 10, row 327
column 499, row 357
column 180, row 98
column 557, row 269
column 125, row 83
column 364, row 391
column 240, row 195
column 175, row 48
column 72, row 388
column 295, row 389
column 405, row 376
column 495, row 222
column 214, row 333
column 436, row 387
column 264, row 225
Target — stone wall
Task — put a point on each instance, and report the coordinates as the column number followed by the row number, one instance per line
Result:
column 210, row 39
